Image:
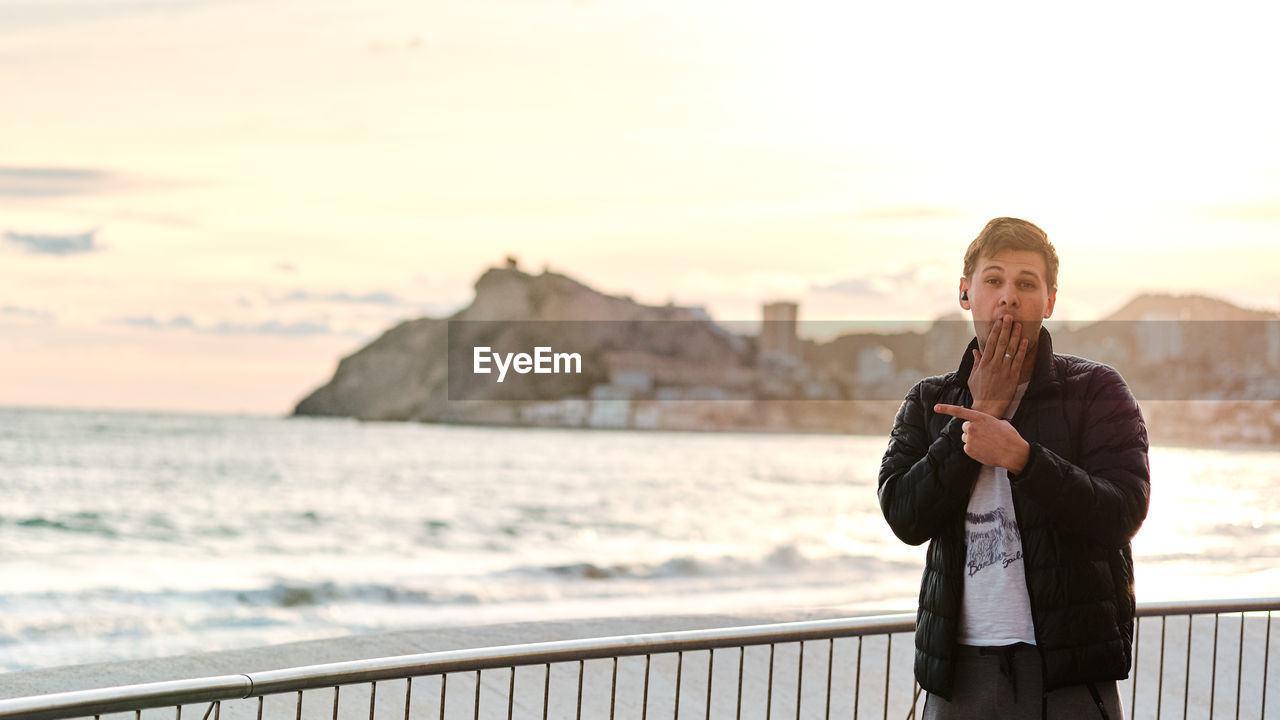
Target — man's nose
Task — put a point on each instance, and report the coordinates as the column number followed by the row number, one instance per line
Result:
column 1009, row 297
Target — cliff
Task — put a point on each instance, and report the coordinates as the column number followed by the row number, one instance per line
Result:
column 404, row 374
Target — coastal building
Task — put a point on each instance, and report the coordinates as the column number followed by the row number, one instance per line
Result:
column 1159, row 337
column 945, row 341
column 606, row 413
column 567, row 412
column 1273, row 343
column 779, row 341
column 875, row 365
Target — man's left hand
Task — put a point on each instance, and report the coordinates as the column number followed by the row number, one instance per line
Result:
column 989, row 440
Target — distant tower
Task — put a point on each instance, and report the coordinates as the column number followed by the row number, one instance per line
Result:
column 778, row 337
column 1273, row 342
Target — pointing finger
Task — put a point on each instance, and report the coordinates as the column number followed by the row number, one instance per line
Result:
column 963, row 413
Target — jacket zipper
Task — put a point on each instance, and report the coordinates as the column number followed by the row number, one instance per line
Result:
column 1026, row 576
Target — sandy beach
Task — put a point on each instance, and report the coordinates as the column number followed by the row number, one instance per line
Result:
column 771, row 681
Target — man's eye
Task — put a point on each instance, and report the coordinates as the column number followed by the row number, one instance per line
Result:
column 993, row 281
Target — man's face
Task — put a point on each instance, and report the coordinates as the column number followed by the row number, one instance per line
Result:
column 1010, row 283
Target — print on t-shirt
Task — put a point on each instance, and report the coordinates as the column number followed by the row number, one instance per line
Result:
column 993, row 539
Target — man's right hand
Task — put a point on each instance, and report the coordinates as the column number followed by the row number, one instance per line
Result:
column 994, row 377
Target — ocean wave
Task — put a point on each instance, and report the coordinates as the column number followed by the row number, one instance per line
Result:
column 300, row 595
column 781, row 559
column 1239, row 530
column 530, row 583
column 150, row 526
column 81, row 522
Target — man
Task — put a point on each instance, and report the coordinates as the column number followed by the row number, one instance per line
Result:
column 1026, row 472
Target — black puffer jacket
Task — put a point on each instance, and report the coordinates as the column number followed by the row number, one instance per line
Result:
column 1079, row 500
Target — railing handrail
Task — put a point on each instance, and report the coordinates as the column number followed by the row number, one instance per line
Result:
column 1208, row 607
column 232, row 687
column 123, row 698
column 360, row 671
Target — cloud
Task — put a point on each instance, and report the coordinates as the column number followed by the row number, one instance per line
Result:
column 152, row 322
column 60, row 245
column 857, row 287
column 25, row 313
column 37, row 182
column 872, row 286
column 389, row 303
column 299, row 328
column 380, row 297
column 295, row 328
column 285, row 267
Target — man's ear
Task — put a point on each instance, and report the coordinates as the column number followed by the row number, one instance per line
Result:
column 964, row 290
column 1048, row 308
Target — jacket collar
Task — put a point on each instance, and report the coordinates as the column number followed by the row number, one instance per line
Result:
column 1044, row 374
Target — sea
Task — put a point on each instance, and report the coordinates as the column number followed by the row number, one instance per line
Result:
column 128, row 535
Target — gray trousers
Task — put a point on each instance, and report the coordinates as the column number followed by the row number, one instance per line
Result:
column 1005, row 684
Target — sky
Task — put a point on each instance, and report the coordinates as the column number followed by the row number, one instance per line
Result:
column 205, row 204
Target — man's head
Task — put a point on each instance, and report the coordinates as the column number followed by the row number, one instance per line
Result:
column 1011, row 268
column 1006, row 233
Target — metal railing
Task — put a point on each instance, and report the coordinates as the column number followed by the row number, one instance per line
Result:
column 803, row 670
column 1224, row 671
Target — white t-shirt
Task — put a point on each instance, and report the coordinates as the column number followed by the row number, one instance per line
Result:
column 996, row 609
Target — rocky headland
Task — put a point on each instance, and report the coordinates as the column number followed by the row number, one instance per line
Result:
column 1204, row 371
